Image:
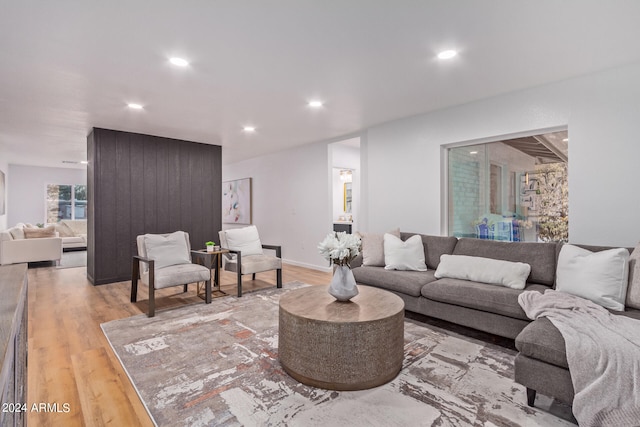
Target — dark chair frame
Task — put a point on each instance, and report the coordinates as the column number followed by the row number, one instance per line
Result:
column 135, row 274
column 238, row 254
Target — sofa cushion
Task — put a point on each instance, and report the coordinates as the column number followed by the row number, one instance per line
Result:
column 543, row 341
column 479, row 296
column 405, row 282
column 73, row 240
column 540, row 256
column 485, row 270
column 601, row 277
column 38, row 233
column 434, row 247
column 403, row 255
column 178, row 275
column 64, row 230
column 77, row 226
column 373, row 248
column 254, row 264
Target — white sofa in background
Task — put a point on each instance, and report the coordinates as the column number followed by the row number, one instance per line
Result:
column 15, row 248
column 73, row 233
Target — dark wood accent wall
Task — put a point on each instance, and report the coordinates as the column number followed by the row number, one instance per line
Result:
column 139, row 184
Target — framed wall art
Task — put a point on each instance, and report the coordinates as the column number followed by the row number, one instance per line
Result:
column 236, row 201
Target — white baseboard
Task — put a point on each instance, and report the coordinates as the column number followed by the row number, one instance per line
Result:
column 326, row 269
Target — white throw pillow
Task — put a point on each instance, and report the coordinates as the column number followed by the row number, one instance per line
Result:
column 245, row 240
column 407, row 255
column 601, row 277
column 485, row 270
column 17, row 232
column 373, row 248
column 633, row 288
column 169, row 250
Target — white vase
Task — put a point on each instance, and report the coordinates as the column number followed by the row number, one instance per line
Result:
column 343, row 284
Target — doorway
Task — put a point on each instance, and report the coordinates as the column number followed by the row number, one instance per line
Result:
column 345, row 184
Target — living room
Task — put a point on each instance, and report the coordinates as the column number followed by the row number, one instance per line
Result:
column 588, row 87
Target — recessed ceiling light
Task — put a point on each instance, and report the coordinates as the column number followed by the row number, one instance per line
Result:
column 565, row 140
column 249, row 129
column 179, row 61
column 84, row 162
column 134, row 106
column 316, row 104
column 447, row 54
column 473, row 152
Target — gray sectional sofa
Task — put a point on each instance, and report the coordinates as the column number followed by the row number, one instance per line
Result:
column 541, row 364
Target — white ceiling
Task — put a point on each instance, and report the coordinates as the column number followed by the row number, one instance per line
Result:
column 68, row 66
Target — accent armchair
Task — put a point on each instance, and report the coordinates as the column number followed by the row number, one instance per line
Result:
column 246, row 254
column 166, row 262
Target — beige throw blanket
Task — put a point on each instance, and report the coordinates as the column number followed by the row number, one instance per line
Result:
column 603, row 351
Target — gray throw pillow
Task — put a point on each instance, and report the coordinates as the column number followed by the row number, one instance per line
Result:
column 373, row 248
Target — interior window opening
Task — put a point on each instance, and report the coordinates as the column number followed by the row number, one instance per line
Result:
column 510, row 190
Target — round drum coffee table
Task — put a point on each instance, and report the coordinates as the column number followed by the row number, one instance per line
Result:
column 341, row 345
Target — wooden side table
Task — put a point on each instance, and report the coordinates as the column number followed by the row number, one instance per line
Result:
column 213, row 261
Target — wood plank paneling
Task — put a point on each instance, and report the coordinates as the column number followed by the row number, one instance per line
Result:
column 123, row 203
column 141, row 184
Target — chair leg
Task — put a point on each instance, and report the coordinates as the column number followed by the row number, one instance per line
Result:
column 207, row 291
column 185, row 287
column 279, row 278
column 152, row 294
column 531, row 397
column 254, row 276
column 135, row 272
column 134, row 289
column 239, row 267
column 152, row 301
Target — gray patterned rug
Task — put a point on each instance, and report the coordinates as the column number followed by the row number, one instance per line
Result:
column 217, row 364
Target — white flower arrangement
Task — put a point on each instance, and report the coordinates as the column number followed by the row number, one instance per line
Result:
column 340, row 248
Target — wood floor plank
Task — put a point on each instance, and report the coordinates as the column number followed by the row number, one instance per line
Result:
column 70, row 360
column 101, row 388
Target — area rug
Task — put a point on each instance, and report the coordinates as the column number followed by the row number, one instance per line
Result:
column 217, row 365
column 73, row 259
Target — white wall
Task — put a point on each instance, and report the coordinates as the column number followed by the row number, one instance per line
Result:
column 4, row 223
column 291, row 200
column 400, row 171
column 27, row 190
column 403, row 162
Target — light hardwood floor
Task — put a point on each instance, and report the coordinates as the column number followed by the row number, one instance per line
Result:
column 70, row 361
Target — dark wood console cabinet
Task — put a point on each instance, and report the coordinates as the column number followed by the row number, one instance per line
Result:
column 13, row 342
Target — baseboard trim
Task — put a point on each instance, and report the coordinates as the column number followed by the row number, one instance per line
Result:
column 325, row 269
